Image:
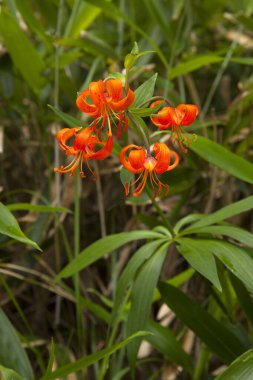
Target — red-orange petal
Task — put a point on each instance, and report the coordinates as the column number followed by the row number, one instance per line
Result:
column 165, row 118
column 123, row 104
column 114, row 89
column 163, row 155
column 126, row 163
column 64, row 135
column 152, row 105
column 137, row 158
column 82, row 139
column 81, row 103
column 105, row 151
column 97, row 92
column 188, row 112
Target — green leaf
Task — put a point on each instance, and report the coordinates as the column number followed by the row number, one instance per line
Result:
column 159, row 17
column 91, row 44
column 216, row 336
column 237, row 260
column 242, row 60
column 144, row 92
column 193, row 64
column 222, row 214
column 187, row 220
column 80, row 19
column 9, row 374
column 9, row 226
column 137, row 129
column 143, row 112
column 233, row 232
column 23, row 53
column 36, row 208
column 102, row 247
column 51, row 359
column 223, row 158
column 243, row 296
column 70, row 120
column 165, row 341
column 91, row 359
column 141, row 296
column 12, row 354
column 128, row 275
column 200, row 259
column 240, row 369
column 26, row 9
column 112, row 11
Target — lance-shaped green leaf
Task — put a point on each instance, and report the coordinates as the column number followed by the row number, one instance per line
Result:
column 231, row 231
column 243, row 296
column 223, row 158
column 217, row 336
column 240, row 369
column 129, row 274
column 24, row 55
column 193, row 64
column 200, row 259
column 102, row 247
column 164, row 340
column 69, row 120
column 12, row 354
column 141, row 297
column 36, row 208
column 9, row 374
column 220, row 215
column 9, row 227
column 144, row 92
column 91, row 359
column 236, row 259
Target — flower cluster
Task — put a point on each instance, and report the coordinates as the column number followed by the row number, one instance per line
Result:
column 108, row 103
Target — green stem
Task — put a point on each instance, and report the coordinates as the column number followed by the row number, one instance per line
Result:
column 142, row 132
column 80, row 327
column 201, row 363
column 57, row 159
column 154, row 98
column 160, row 212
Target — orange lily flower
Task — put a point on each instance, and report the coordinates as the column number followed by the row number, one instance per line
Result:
column 175, row 118
column 83, row 147
column 142, row 163
column 107, row 102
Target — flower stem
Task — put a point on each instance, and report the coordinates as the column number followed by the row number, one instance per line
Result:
column 160, row 212
column 80, row 327
column 142, row 132
column 57, row 160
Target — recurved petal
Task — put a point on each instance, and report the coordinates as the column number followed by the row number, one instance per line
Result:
column 137, row 158
column 96, row 91
column 162, row 155
column 114, row 89
column 152, row 105
column 176, row 160
column 81, row 103
column 64, row 135
column 105, row 151
column 126, row 162
column 123, row 104
column 165, row 118
column 188, row 112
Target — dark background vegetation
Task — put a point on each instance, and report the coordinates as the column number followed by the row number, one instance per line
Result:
column 49, row 51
